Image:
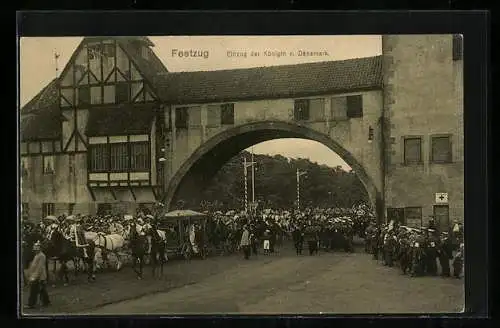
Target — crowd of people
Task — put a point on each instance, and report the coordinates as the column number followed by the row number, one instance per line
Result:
column 415, row 251
column 418, row 251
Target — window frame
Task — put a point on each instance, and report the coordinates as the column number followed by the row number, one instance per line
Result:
column 48, row 209
column 350, row 113
column 407, row 208
column 106, row 161
column 301, row 117
column 79, row 100
column 410, row 137
column 121, row 158
column 117, row 93
column 53, row 164
column 146, row 145
column 184, row 109
column 223, row 108
column 450, row 148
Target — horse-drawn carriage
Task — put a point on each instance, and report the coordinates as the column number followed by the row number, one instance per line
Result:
column 186, row 233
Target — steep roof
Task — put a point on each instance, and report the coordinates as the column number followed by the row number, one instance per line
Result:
column 44, row 124
column 271, row 82
column 47, row 97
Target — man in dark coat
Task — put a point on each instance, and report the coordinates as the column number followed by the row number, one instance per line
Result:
column 445, row 254
column 431, row 253
column 298, row 240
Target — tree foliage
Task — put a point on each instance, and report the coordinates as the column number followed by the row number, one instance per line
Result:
column 276, row 184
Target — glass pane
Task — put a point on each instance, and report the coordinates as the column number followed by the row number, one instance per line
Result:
column 23, row 148
column 441, row 149
column 109, row 94
column 34, row 147
column 95, row 95
column 412, row 150
column 195, row 116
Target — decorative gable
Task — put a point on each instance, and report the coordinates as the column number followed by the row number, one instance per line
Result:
column 102, row 72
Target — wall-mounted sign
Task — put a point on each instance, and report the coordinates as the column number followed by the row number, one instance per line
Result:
column 441, row 197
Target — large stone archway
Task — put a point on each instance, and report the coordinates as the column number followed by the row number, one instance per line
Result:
column 205, row 161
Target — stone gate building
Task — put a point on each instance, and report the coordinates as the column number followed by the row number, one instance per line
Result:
column 117, row 130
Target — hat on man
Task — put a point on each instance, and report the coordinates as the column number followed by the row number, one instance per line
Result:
column 37, row 245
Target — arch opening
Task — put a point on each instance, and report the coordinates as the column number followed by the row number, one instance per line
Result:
column 196, row 172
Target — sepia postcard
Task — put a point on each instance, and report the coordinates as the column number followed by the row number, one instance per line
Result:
column 241, row 175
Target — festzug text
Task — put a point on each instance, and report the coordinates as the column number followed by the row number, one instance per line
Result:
column 190, row 53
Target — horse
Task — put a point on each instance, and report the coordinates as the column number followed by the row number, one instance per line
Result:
column 138, row 244
column 158, row 248
column 64, row 250
column 112, row 243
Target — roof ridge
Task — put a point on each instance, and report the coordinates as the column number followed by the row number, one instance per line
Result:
column 357, row 59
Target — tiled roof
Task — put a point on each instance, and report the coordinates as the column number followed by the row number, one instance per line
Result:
column 120, row 120
column 271, row 82
column 47, row 97
column 44, row 124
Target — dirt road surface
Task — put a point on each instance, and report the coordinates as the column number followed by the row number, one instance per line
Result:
column 277, row 284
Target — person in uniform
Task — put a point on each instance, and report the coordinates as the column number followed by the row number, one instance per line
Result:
column 445, row 254
column 37, row 273
column 245, row 242
column 458, row 262
column 431, row 253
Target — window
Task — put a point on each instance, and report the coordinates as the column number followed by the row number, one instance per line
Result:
column 301, row 110
column 71, row 208
column 96, row 95
column 119, row 157
column 339, row 108
column 122, row 93
column 440, row 149
column 48, row 209
column 396, row 214
column 23, row 148
column 24, row 167
column 109, row 94
column 139, row 156
column 413, row 216
column 355, row 106
column 48, row 165
column 317, row 109
column 99, row 158
column 412, row 150
column 83, row 94
column 458, row 46
column 181, row 117
column 442, row 217
column 227, row 114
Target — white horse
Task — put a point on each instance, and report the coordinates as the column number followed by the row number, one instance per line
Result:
column 112, row 243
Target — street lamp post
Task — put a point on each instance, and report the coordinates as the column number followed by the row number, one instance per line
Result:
column 299, row 174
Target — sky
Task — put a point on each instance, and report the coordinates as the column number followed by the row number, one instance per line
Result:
column 38, row 67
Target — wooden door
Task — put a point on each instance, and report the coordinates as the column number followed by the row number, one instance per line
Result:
column 442, row 217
